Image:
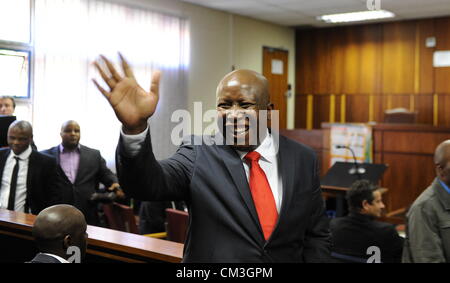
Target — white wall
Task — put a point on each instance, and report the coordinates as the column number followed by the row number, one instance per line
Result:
column 220, row 40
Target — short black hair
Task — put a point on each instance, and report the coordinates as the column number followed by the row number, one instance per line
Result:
column 360, row 190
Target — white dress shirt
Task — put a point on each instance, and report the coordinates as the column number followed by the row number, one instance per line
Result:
column 21, row 188
column 268, row 160
column 269, row 164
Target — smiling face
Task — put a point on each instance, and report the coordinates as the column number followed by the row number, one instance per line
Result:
column 375, row 208
column 19, row 139
column 240, row 97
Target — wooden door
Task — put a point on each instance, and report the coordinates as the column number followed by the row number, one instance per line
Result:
column 275, row 69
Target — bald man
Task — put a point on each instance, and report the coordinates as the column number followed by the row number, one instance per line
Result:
column 28, row 178
column 428, row 219
column 60, row 234
column 247, row 200
column 81, row 169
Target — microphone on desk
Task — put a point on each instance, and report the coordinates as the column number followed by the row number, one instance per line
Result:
column 355, row 169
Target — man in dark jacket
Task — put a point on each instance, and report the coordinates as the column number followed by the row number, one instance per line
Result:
column 81, row 169
column 28, row 178
column 357, row 235
column 248, row 202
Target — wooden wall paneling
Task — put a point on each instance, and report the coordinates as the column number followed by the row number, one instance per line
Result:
column 398, row 57
column 322, row 61
column 378, row 108
column 413, row 142
column 352, row 60
column 300, row 111
column 425, row 28
column 337, row 108
column 442, row 74
column 424, row 107
column 337, row 46
column 305, row 64
column 357, row 108
column 370, row 63
column 402, row 100
column 405, row 170
column 443, row 106
column 321, row 110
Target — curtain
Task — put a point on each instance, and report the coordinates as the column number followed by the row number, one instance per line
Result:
column 69, row 35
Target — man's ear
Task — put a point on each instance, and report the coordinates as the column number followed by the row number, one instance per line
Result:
column 365, row 205
column 439, row 170
column 67, row 242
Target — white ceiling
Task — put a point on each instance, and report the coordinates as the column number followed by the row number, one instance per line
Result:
column 304, row 12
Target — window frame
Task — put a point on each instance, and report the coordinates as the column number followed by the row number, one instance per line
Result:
column 24, row 47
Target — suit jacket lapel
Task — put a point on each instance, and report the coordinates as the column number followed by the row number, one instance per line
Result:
column 286, row 169
column 31, row 167
column 81, row 164
column 237, row 172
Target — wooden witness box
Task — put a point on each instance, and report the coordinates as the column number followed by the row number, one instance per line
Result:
column 104, row 245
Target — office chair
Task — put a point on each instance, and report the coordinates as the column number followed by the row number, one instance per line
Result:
column 176, row 225
column 120, row 217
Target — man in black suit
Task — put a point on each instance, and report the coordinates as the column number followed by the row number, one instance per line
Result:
column 28, row 178
column 247, row 201
column 81, row 169
column 60, row 235
column 353, row 234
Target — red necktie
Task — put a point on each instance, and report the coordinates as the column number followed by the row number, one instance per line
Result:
column 262, row 195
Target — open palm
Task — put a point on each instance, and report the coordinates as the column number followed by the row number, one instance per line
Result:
column 131, row 103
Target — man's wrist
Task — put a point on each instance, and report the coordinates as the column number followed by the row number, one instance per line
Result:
column 135, row 130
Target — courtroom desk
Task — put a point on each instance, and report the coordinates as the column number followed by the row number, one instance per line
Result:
column 104, row 245
column 408, row 150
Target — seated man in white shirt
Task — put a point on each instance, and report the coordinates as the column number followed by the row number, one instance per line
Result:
column 60, row 234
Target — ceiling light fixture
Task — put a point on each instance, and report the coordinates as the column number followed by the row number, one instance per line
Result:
column 356, row 16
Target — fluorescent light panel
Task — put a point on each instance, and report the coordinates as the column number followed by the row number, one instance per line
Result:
column 356, row 16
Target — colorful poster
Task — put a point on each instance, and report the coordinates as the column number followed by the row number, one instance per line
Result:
column 347, row 137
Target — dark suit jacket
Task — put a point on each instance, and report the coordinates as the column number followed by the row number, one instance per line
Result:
column 42, row 187
column 353, row 234
column 43, row 258
column 223, row 224
column 92, row 170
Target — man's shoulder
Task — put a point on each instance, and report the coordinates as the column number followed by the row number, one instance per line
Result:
column 426, row 199
column 43, row 258
column 293, row 146
column 42, row 156
column 50, row 151
column 339, row 222
column 383, row 226
column 89, row 150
